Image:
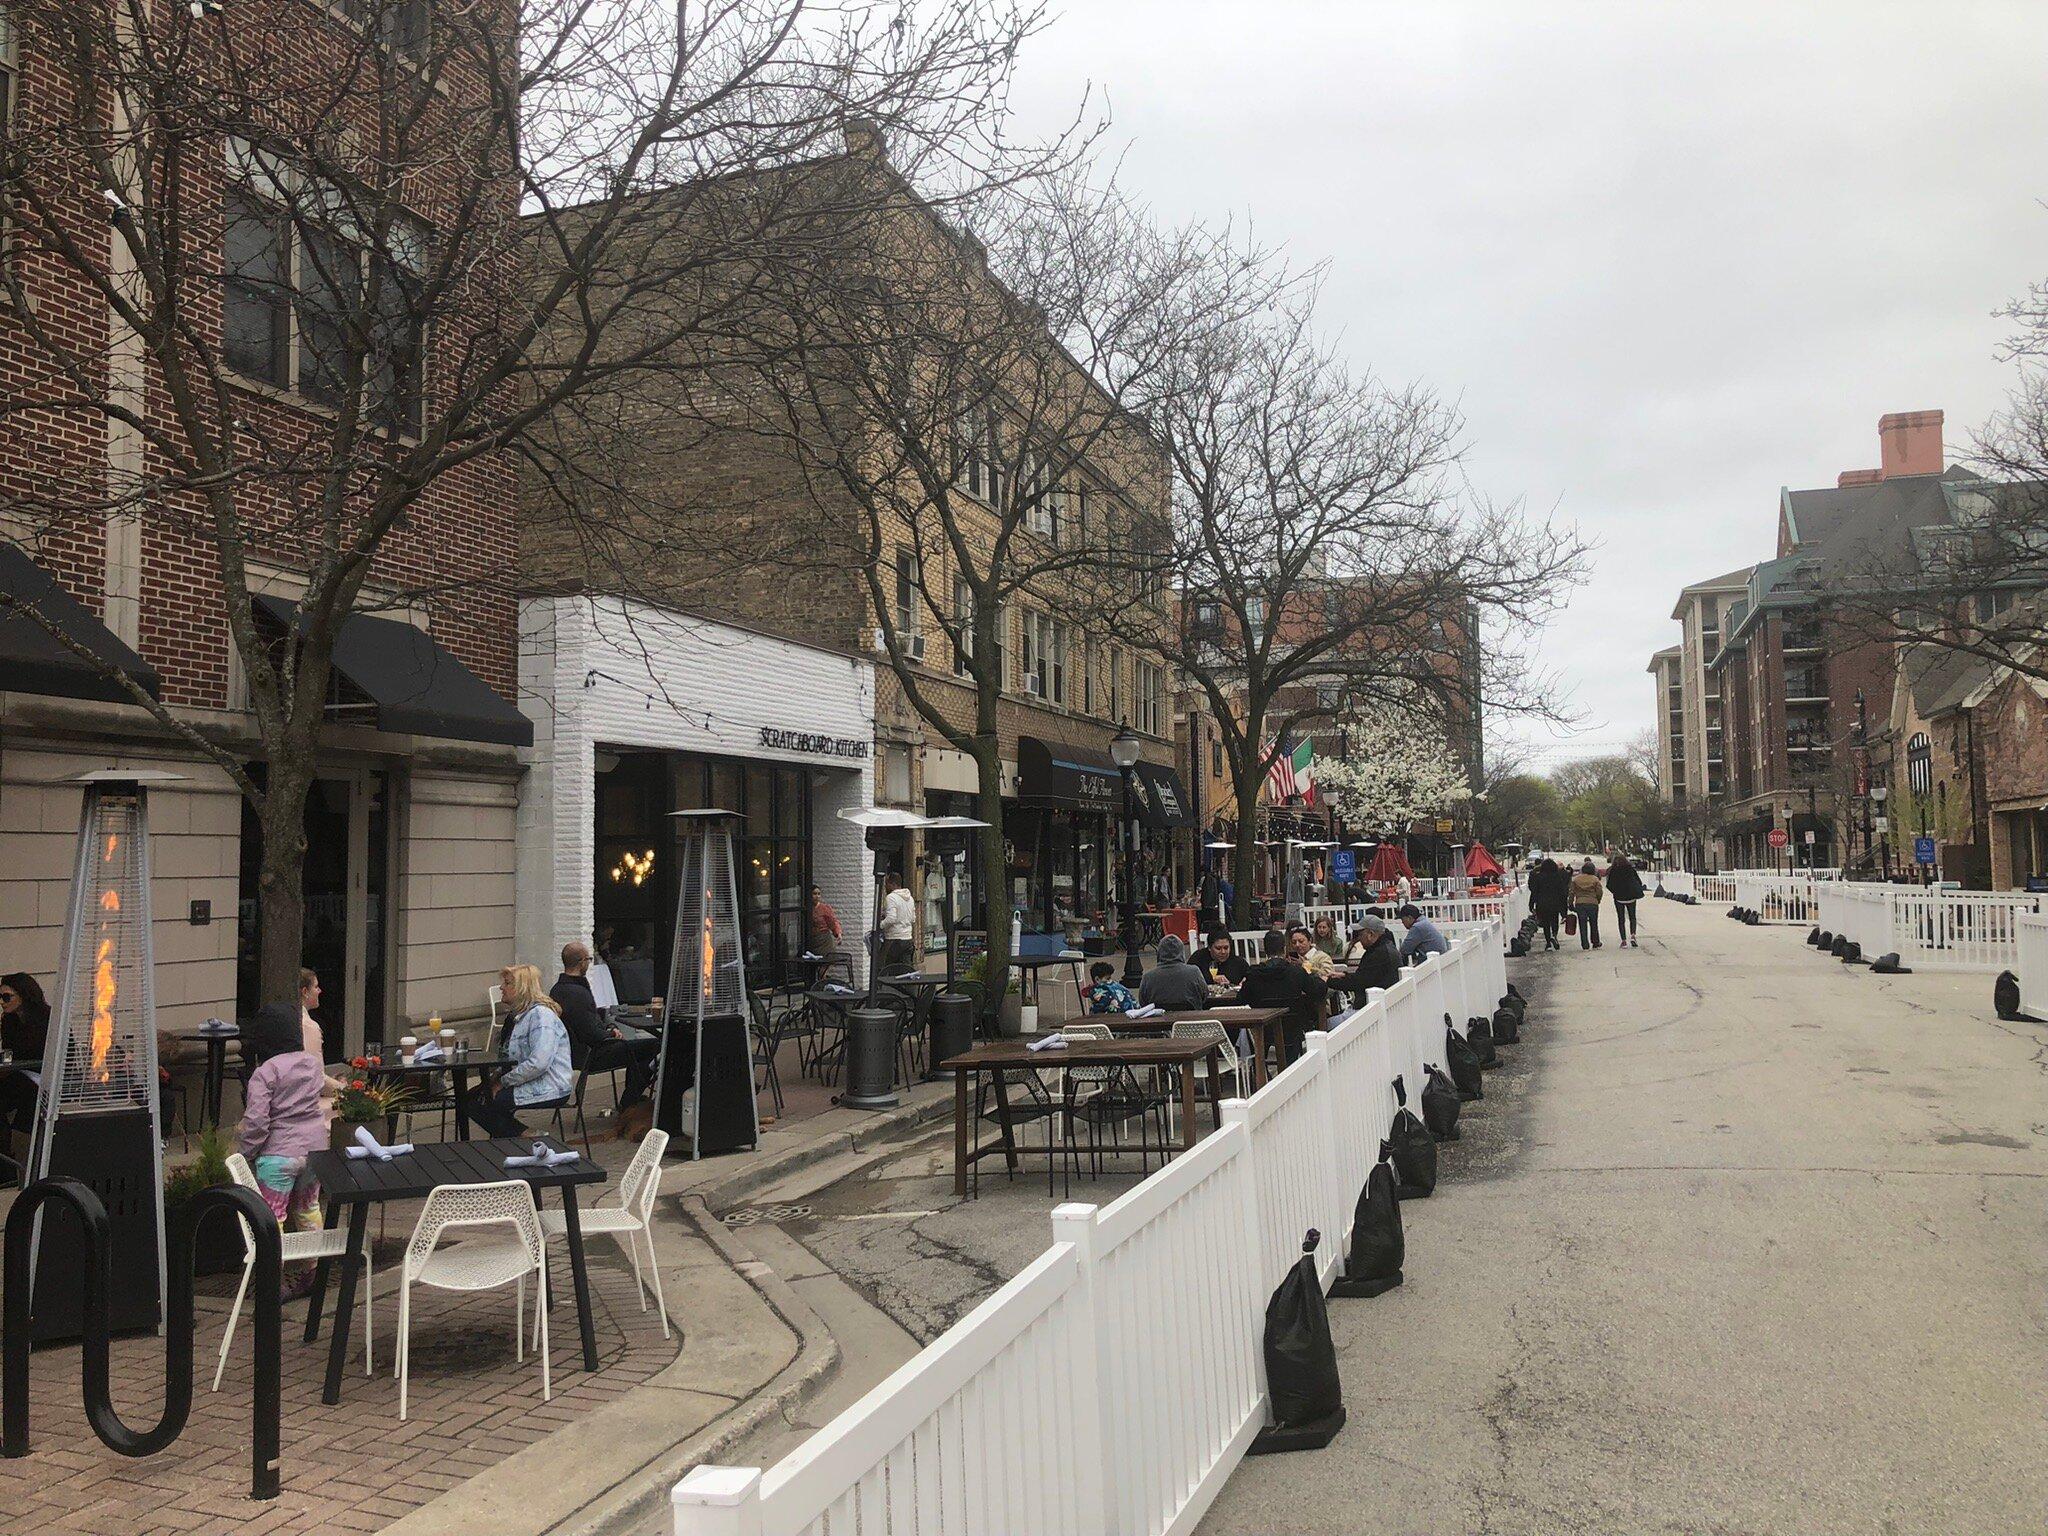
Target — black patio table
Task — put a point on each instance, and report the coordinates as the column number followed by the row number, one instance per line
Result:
column 216, row 1042
column 458, row 1069
column 361, row 1182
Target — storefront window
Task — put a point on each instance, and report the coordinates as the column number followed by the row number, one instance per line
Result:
column 635, row 795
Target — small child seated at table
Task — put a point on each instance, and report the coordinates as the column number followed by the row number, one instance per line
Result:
column 1105, row 993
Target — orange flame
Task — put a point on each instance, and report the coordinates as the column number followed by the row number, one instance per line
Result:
column 710, row 949
column 102, row 1010
column 104, row 986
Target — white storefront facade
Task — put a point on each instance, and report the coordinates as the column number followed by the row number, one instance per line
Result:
column 641, row 711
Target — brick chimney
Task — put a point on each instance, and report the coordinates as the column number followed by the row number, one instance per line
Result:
column 1849, row 477
column 1909, row 443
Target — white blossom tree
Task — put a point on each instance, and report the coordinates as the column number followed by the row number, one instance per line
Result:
column 1395, row 769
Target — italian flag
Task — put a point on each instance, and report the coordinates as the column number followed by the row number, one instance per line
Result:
column 1293, row 773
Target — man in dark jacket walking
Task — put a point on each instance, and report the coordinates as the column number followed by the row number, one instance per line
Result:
column 1626, row 887
column 1548, row 889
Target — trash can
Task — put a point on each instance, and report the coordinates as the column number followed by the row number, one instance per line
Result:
column 871, row 1040
column 950, row 1032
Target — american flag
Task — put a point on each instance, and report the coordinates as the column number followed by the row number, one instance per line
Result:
column 1292, row 773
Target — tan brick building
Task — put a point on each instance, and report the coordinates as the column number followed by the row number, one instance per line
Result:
column 736, row 522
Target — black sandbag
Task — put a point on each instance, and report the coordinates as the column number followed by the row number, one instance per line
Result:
column 1514, row 1001
column 1813, row 937
column 1479, row 1035
column 1852, row 954
column 1826, row 941
column 1507, row 1027
column 1414, row 1150
column 1464, row 1065
column 2005, row 996
column 1372, row 1264
column 1302, row 1388
column 1517, row 996
column 1887, row 964
column 1440, row 1104
column 1518, row 946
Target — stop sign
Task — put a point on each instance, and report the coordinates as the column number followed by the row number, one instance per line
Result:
column 1777, row 839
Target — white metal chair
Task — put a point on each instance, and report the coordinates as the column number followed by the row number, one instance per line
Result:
column 494, row 995
column 332, row 1243
column 1226, row 1062
column 478, row 1262
column 630, row 1219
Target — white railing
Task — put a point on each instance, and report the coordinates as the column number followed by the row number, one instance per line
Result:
column 1676, row 882
column 1514, row 902
column 2032, row 964
column 1778, row 898
column 1113, row 1385
column 1715, row 889
column 1929, row 929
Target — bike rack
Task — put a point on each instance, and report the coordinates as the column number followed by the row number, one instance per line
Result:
column 98, row 1279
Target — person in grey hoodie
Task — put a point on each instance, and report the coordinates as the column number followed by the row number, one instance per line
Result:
column 1174, row 984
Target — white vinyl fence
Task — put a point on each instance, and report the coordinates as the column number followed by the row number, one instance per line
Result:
column 2032, row 966
column 1112, row 1386
column 1928, row 928
column 1676, row 882
column 1715, row 889
column 1513, row 903
column 1779, row 898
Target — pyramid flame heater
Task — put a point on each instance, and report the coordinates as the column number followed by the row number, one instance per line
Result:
column 707, row 1044
column 96, row 1118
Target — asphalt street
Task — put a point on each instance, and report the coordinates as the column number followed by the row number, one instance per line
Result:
column 1742, row 1241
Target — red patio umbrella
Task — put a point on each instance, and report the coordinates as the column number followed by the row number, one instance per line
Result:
column 1388, row 865
column 1480, row 864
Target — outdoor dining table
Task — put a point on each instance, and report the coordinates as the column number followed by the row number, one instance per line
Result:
column 458, row 1068
column 1028, row 967
column 1269, row 1023
column 1000, row 1057
column 359, row 1183
column 216, row 1041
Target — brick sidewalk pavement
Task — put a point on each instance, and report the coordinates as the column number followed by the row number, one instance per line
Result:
column 352, row 1467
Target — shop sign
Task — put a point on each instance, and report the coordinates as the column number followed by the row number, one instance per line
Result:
column 806, row 741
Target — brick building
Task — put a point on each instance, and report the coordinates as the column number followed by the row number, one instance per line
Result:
column 712, row 473
column 409, row 867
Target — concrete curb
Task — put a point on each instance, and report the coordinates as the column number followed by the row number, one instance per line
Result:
column 634, row 1501
column 888, row 1126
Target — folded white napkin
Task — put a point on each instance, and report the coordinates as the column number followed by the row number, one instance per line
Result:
column 834, row 986
column 430, row 1053
column 1072, row 954
column 369, row 1146
column 1048, row 1043
column 809, row 956
column 1144, row 1011
column 540, row 1157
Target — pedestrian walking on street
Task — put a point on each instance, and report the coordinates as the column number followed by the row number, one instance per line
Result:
column 1585, row 893
column 1549, row 888
column 1626, row 887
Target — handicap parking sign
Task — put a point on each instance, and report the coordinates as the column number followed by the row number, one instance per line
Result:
column 1923, row 850
column 1344, row 866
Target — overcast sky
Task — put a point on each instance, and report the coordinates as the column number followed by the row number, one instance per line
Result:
column 1667, row 258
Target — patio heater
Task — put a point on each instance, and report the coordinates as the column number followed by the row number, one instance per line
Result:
column 706, row 1044
column 97, row 1114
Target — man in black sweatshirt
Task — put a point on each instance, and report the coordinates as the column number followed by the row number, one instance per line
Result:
column 595, row 1045
column 1278, row 982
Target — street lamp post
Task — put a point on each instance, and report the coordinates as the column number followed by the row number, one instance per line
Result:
column 1123, row 751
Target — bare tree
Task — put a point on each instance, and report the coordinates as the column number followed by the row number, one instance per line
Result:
column 1324, row 547
column 322, row 300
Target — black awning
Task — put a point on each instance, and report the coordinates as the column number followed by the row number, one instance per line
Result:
column 1056, row 773
column 33, row 660
column 1165, row 802
column 413, row 683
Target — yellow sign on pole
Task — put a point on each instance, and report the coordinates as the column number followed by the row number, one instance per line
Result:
column 1443, row 824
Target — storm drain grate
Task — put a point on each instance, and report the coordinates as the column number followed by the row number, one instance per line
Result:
column 754, row 1215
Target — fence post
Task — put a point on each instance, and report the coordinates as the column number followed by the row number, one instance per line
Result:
column 718, row 1501
column 1336, row 1207
column 1237, row 1116
column 1075, row 1223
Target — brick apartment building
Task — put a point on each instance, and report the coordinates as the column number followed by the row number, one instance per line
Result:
column 1066, row 686
column 409, row 867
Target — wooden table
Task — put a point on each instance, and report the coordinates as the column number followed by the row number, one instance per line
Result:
column 458, row 1069
column 1270, row 1024
column 361, row 1182
column 1000, row 1057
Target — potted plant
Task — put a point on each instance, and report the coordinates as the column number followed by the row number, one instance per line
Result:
column 366, row 1101
column 218, row 1247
